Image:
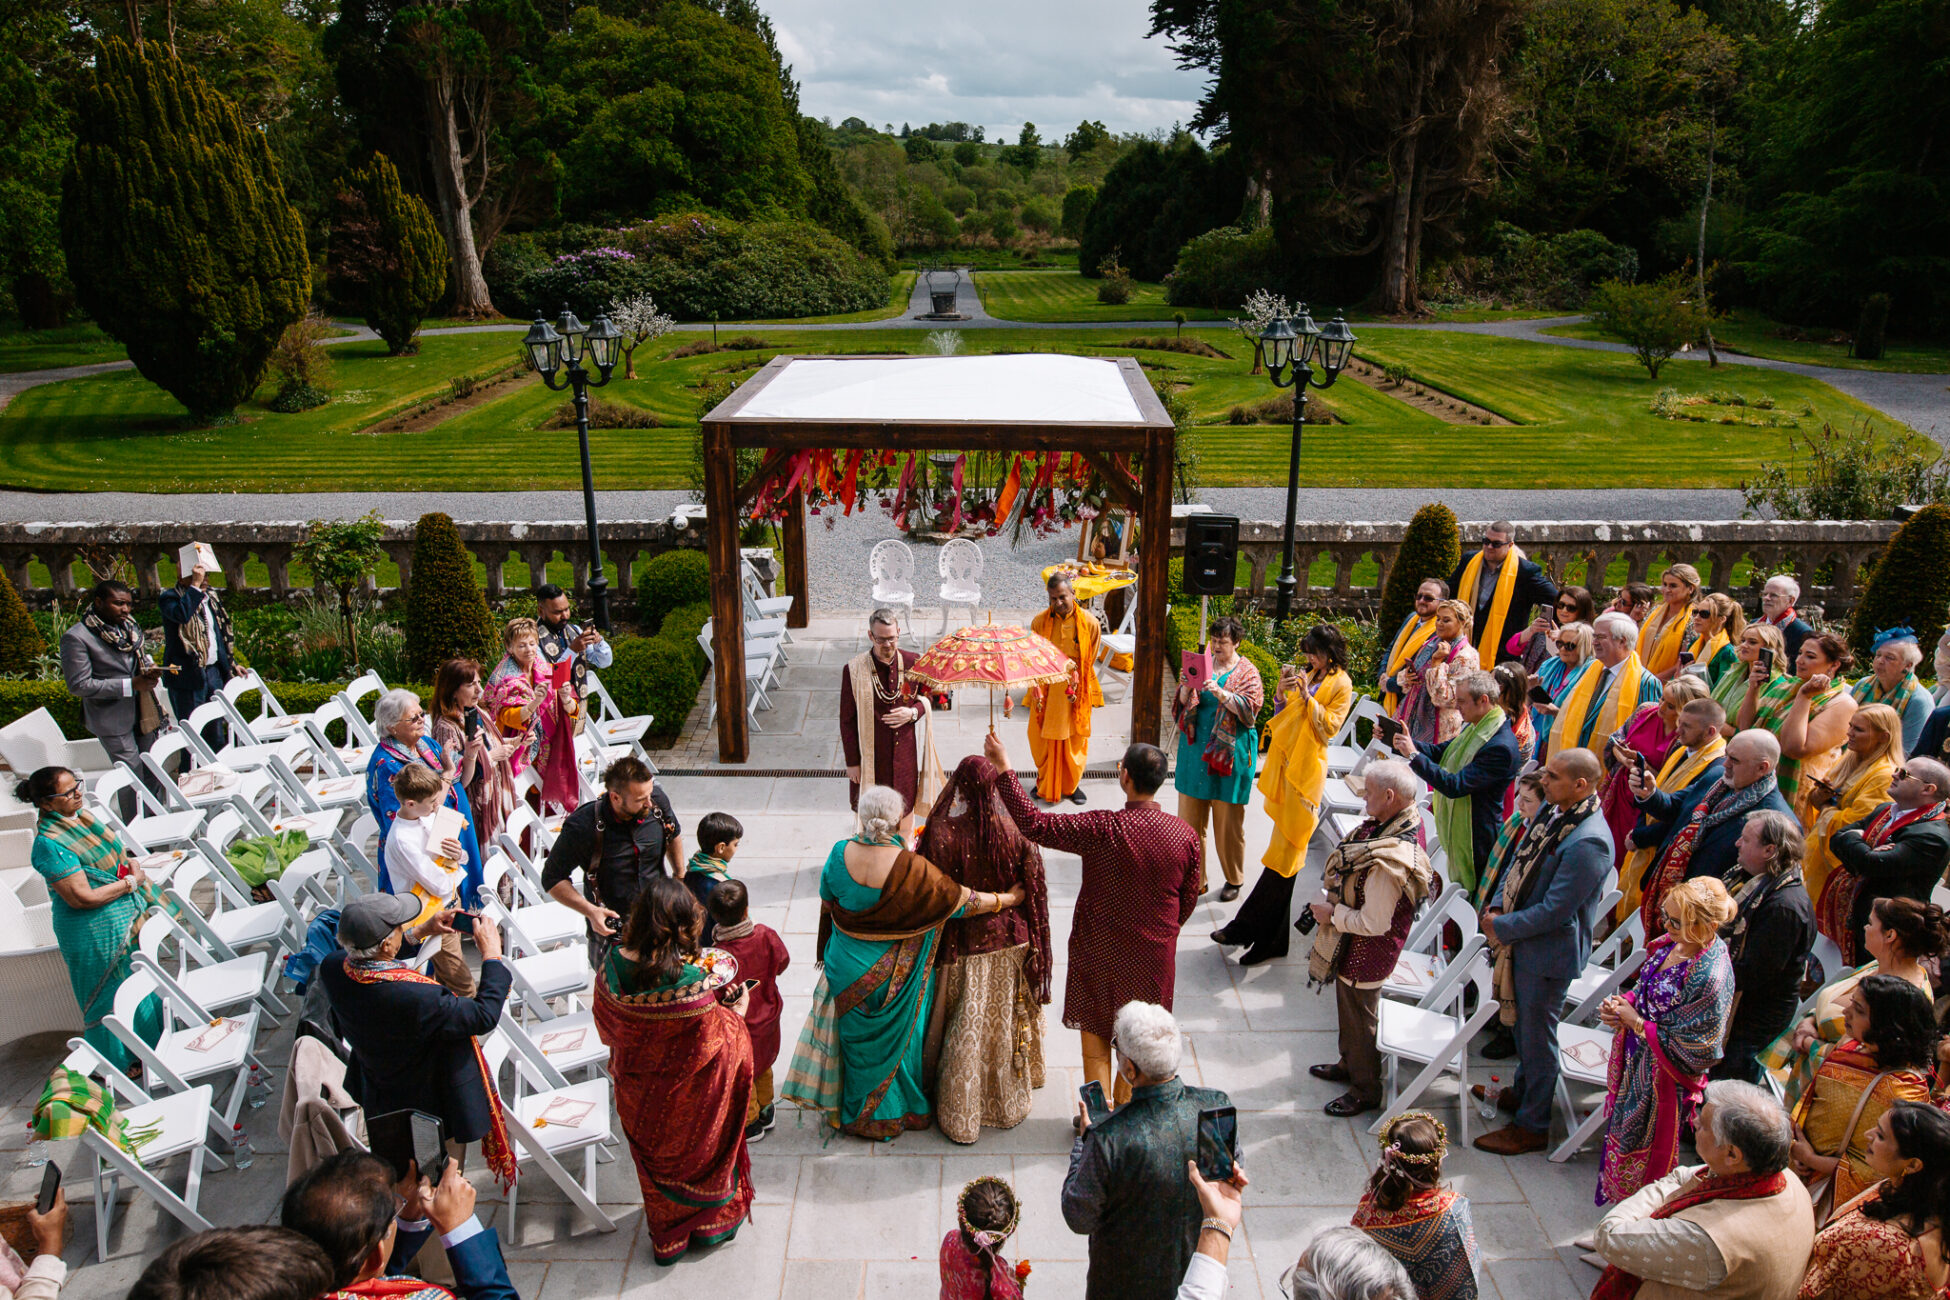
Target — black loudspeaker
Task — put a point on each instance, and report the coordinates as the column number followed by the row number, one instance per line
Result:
column 1211, row 554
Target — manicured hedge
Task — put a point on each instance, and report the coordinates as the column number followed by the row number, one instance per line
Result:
column 654, row 676
column 671, row 579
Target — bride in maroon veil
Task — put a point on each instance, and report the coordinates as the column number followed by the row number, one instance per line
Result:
column 985, row 1034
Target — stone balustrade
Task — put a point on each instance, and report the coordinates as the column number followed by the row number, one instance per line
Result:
column 107, row 548
column 1833, row 551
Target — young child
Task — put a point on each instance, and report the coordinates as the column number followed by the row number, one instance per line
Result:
column 1419, row 1221
column 411, row 863
column 761, row 956
column 970, row 1267
column 718, row 835
column 1530, row 798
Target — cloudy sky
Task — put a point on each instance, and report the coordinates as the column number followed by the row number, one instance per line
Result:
column 995, row 63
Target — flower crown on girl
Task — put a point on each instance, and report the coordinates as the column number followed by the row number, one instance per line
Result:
column 1429, row 1160
column 988, row 1238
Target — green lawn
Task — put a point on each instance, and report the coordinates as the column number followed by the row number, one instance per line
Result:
column 1067, row 296
column 71, row 345
column 992, row 259
column 1583, row 421
column 1751, row 333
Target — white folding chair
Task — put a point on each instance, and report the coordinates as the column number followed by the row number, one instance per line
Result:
column 272, row 722
column 611, row 725
column 209, row 782
column 1121, row 642
column 1342, row 753
column 1422, row 961
column 536, row 923
column 569, row 1043
column 1606, row 971
column 353, row 696
column 319, row 792
column 355, row 754
column 1584, row 1059
column 545, row 1146
column 216, row 984
column 221, row 735
column 760, row 660
column 961, row 579
column 767, row 606
column 234, row 923
column 1435, row 1034
column 181, row 1124
column 540, row 977
column 179, row 1061
column 154, row 826
column 1829, row 954
column 890, row 566
column 758, row 626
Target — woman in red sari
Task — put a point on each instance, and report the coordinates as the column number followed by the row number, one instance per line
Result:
column 682, row 1064
column 1887, row 1243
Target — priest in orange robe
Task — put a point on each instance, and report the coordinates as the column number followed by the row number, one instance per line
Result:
column 1059, row 716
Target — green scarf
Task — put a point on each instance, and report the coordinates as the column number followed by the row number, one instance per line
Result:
column 704, row 864
column 1452, row 816
column 72, row 1103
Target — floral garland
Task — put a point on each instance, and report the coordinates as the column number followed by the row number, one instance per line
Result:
column 1041, row 491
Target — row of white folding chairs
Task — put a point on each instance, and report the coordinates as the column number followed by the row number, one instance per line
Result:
column 763, row 656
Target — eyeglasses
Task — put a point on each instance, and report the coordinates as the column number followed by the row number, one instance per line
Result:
column 72, row 792
column 1673, row 923
column 1491, row 544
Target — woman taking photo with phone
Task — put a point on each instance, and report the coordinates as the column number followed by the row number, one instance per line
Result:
column 539, row 712
column 476, row 755
column 1808, row 713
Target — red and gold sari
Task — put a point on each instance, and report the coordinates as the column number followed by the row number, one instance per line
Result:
column 1837, row 1120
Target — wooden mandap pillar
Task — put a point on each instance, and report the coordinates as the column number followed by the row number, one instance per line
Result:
column 727, row 606
column 1154, row 573
column 794, row 559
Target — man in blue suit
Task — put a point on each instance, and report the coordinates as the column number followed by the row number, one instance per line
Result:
column 1543, row 921
column 371, row 1229
column 1720, row 799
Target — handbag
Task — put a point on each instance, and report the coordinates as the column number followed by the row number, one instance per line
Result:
column 1823, row 1192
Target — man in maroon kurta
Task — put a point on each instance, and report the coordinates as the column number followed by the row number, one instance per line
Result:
column 1140, row 884
column 876, row 699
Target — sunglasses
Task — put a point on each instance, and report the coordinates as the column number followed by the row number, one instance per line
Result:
column 1567, row 604
column 1567, row 645
column 1491, row 544
column 1900, row 774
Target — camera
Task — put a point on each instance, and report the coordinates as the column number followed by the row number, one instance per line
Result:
column 1307, row 921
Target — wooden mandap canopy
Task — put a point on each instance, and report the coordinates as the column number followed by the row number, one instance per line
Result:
column 1101, row 407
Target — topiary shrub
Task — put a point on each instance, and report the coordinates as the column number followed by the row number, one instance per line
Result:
column 669, row 580
column 177, row 231
column 654, row 676
column 20, row 640
column 389, row 259
column 1909, row 585
column 446, row 615
column 1431, row 548
column 681, row 628
column 1269, row 677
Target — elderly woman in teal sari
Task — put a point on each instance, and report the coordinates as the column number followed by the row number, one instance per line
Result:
column 859, row 1055
column 99, row 896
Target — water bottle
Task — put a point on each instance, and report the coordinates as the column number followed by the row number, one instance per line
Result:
column 258, row 1090
column 241, row 1155
column 1491, row 1092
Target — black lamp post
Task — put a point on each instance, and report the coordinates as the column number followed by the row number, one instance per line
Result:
column 570, row 341
column 1290, row 355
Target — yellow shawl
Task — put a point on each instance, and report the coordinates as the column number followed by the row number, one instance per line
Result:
column 1490, row 634
column 1662, row 638
column 1704, row 655
column 1619, row 705
column 1856, row 796
column 1682, row 767
column 1295, row 773
column 1407, row 641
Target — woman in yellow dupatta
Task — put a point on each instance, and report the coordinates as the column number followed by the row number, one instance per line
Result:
column 1850, row 792
column 1808, row 713
column 1311, row 705
column 1667, row 628
column 1887, row 1057
column 1901, row 935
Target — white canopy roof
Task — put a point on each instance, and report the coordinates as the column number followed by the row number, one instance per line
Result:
column 1028, row 389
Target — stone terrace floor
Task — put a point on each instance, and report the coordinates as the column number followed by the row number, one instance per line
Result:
column 846, row 1218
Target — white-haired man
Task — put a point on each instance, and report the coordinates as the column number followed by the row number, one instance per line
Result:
column 1777, row 608
column 879, row 708
column 1126, row 1189
column 1899, row 850
column 1609, row 692
column 1737, row 1224
column 1698, row 828
column 1374, row 881
column 1346, row 1264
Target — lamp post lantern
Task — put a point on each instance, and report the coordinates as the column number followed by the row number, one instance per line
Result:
column 1291, row 351
column 563, row 348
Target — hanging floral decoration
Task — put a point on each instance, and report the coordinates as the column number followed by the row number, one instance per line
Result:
column 981, row 493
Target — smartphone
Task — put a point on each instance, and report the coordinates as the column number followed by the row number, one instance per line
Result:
column 1095, row 1105
column 1685, row 657
column 1386, row 729
column 1767, row 660
column 471, row 723
column 1638, row 761
column 50, row 1188
column 1540, row 695
column 1218, row 1140
column 404, row 1138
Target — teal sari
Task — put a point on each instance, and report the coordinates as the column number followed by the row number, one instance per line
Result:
column 98, row 943
column 859, row 1056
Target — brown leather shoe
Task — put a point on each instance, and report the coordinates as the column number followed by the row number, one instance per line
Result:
column 1512, row 1140
column 1332, row 1071
column 1506, row 1100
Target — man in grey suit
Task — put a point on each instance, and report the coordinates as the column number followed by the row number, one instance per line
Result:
column 1543, row 920
column 102, row 659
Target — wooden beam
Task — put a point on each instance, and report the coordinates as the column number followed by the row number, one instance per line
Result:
column 727, row 607
column 775, row 460
column 1116, row 477
column 796, row 585
column 942, row 435
column 1154, row 559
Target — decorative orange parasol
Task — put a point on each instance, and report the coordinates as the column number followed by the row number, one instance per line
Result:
column 991, row 656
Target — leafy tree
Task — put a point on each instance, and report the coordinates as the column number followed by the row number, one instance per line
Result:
column 968, row 153
column 446, row 615
column 20, row 640
column 1026, row 154
column 1086, row 139
column 680, row 110
column 1401, row 101
column 1850, row 188
column 1909, row 585
column 641, row 323
column 34, row 139
column 920, row 149
column 340, row 555
column 388, row 258
column 833, row 204
column 176, row 229
column 1656, row 318
column 1155, row 198
column 1431, row 548
column 1076, row 208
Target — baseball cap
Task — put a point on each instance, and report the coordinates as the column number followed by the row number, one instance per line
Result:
column 368, row 919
